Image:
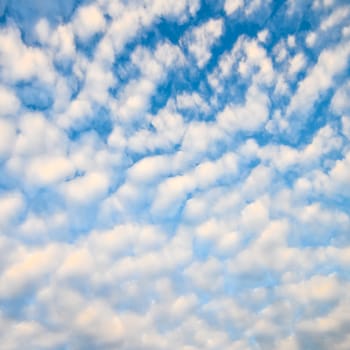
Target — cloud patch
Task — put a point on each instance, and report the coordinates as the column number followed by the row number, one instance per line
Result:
column 174, row 175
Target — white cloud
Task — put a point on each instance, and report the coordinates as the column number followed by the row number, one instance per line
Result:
column 87, row 188
column 339, row 173
column 192, row 101
column 248, row 117
column 8, row 137
column 63, row 41
column 168, row 131
column 284, row 157
column 340, row 101
column 172, row 191
column 291, row 41
column 182, row 306
column 77, row 263
column 312, row 331
column 317, row 4
column 98, row 321
column 28, row 333
column 232, row 6
column 249, row 59
column 175, row 8
column 254, row 6
column 152, row 200
column 267, row 252
column 318, row 289
column 335, row 181
column 311, row 39
column 76, row 112
column 39, row 135
column 335, row 18
column 263, row 35
column 42, row 227
column 320, row 78
column 202, row 38
column 257, row 182
column 98, row 80
column 199, row 136
column 346, row 32
column 88, row 21
column 255, row 216
column 21, row 62
column 43, row 30
column 206, row 275
column 9, row 103
column 11, row 204
column 49, row 170
column 154, row 66
column 346, row 126
column 29, row 269
column 296, row 64
column 149, row 169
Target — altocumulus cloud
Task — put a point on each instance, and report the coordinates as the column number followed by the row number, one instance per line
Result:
column 175, row 174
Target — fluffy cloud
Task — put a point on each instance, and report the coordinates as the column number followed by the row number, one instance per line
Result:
column 9, row 103
column 88, row 21
column 21, row 62
column 174, row 175
column 331, row 62
column 12, row 203
column 233, row 5
column 201, row 39
column 86, row 188
column 8, row 139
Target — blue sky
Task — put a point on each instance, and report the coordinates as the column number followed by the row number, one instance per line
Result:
column 175, row 174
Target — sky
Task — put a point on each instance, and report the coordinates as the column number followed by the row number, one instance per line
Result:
column 175, row 175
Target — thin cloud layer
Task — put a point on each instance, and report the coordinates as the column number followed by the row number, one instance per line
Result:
column 175, row 175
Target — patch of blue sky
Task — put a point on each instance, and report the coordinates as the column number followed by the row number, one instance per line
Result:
column 100, row 123
column 88, row 46
column 34, row 96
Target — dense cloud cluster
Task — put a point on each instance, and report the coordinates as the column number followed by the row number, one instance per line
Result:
column 175, row 174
